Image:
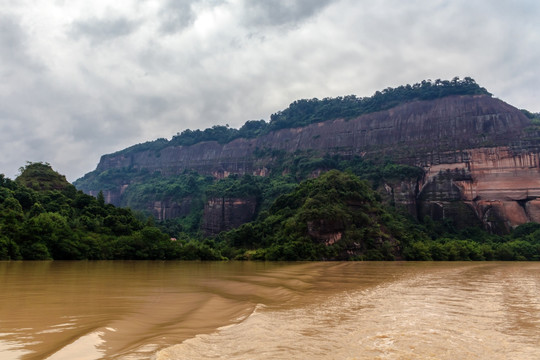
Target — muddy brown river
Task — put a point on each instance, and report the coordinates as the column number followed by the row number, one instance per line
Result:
column 255, row 310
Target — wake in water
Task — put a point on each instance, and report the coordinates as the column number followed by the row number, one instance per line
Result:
column 486, row 311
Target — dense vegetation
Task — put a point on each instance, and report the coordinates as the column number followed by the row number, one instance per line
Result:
column 308, row 111
column 305, row 112
column 444, row 243
column 535, row 121
column 336, row 216
column 42, row 217
column 286, row 171
column 289, row 195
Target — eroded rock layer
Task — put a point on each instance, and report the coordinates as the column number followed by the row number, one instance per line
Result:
column 501, row 186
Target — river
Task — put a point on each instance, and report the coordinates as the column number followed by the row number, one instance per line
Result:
column 255, row 310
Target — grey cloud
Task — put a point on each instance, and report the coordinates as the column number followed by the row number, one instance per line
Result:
column 13, row 46
column 152, row 105
column 103, row 30
column 19, row 142
column 279, row 13
column 12, row 39
column 176, row 16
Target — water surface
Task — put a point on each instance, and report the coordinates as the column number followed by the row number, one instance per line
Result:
column 253, row 310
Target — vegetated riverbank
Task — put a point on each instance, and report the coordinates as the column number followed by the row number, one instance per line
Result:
column 336, row 216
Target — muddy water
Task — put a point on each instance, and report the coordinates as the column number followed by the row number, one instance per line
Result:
column 246, row 310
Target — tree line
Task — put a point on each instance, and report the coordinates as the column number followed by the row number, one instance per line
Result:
column 336, row 216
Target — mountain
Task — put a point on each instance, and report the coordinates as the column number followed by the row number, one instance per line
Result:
column 445, row 149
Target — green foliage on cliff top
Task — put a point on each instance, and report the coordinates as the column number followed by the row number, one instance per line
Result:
column 307, row 111
column 535, row 121
column 532, row 116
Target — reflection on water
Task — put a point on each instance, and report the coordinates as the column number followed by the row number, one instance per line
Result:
column 250, row 310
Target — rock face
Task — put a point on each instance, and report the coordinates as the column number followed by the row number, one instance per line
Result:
column 481, row 165
column 163, row 210
column 417, row 132
column 498, row 186
column 221, row 214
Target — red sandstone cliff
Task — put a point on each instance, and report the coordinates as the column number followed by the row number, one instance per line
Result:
column 499, row 187
column 481, row 167
column 433, row 131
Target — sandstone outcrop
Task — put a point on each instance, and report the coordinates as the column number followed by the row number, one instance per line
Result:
column 498, row 186
column 167, row 209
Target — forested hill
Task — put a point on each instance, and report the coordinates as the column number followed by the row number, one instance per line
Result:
column 43, row 217
column 308, row 111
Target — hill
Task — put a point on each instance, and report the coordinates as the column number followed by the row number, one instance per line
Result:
column 43, row 217
column 443, row 149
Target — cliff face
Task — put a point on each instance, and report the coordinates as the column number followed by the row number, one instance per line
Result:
column 481, row 167
column 167, row 209
column 497, row 186
column 111, row 196
column 221, row 214
column 418, row 132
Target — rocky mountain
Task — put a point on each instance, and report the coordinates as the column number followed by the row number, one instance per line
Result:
column 479, row 161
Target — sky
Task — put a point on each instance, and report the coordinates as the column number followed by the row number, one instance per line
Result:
column 80, row 79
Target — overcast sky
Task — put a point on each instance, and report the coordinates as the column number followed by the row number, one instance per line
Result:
column 79, row 79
